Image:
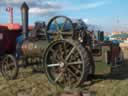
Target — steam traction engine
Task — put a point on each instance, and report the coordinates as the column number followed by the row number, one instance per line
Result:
column 64, row 59
column 67, row 54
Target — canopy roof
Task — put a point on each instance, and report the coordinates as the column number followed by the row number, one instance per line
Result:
column 10, row 27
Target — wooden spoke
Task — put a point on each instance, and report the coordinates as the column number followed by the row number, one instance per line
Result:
column 76, row 69
column 66, row 33
column 58, row 77
column 56, row 24
column 62, row 27
column 73, row 74
column 72, row 50
column 75, row 63
column 52, row 50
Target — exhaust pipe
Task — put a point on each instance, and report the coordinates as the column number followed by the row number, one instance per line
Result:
column 24, row 13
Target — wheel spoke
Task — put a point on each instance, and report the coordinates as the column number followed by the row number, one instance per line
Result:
column 56, row 24
column 69, row 79
column 9, row 65
column 52, row 50
column 74, row 75
column 66, row 33
column 6, row 68
column 72, row 50
column 65, row 21
column 60, row 51
column 65, row 49
column 54, row 59
column 64, row 46
column 75, row 63
column 64, row 79
column 58, row 77
column 76, row 69
column 53, row 54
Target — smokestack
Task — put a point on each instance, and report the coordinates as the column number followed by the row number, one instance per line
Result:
column 24, row 13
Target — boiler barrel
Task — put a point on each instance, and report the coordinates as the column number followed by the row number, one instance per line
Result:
column 33, row 48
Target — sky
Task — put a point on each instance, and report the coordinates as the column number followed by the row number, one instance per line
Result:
column 109, row 15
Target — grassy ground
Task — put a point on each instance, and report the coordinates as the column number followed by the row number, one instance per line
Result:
column 29, row 84
column 111, row 84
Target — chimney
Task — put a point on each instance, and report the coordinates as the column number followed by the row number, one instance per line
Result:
column 24, row 13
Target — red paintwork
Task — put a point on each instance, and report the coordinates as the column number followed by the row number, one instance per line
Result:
column 10, row 27
column 3, row 27
column 13, row 26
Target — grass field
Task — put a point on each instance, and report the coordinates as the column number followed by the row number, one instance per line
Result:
column 27, row 84
column 36, row 84
column 111, row 84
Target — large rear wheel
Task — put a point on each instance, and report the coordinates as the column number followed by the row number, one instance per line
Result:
column 66, row 63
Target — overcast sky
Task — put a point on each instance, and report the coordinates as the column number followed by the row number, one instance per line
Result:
column 109, row 14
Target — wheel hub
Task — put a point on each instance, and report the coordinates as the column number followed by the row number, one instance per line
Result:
column 62, row 64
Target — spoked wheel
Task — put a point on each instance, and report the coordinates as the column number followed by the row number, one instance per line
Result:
column 59, row 27
column 9, row 67
column 66, row 63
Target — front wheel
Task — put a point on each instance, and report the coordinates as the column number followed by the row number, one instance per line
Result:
column 9, row 67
